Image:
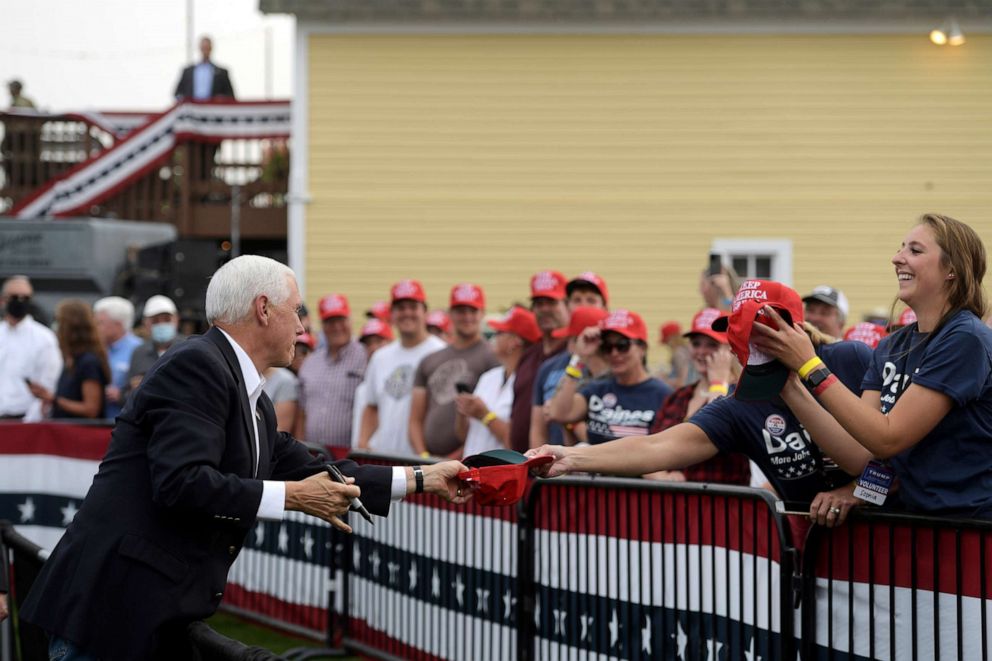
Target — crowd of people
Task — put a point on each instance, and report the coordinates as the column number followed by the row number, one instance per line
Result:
column 567, row 371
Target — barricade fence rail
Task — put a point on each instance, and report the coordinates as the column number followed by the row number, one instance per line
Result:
column 584, row 567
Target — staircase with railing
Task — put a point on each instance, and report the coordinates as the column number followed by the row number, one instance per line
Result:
column 197, row 165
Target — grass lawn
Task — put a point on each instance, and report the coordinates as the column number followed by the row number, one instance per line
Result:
column 252, row 634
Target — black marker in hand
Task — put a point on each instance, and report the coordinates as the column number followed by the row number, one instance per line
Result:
column 356, row 504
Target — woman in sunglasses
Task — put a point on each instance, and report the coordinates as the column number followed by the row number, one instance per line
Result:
column 766, row 431
column 623, row 404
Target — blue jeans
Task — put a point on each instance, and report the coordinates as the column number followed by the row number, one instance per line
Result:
column 60, row 649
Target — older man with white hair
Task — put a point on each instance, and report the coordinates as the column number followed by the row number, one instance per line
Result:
column 194, row 462
column 114, row 318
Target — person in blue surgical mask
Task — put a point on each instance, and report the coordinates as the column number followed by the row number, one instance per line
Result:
column 161, row 321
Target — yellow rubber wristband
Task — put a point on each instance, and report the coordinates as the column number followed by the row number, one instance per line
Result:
column 488, row 418
column 720, row 388
column 809, row 366
column 573, row 372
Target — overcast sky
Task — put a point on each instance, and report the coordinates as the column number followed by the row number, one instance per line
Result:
column 127, row 54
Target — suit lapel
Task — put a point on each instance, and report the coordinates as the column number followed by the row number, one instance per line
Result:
column 227, row 350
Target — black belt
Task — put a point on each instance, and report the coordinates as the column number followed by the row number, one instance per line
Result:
column 18, row 416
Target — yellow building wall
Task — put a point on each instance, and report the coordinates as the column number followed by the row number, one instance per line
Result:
column 487, row 158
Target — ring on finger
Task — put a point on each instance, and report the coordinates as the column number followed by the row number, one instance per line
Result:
column 459, row 492
column 835, row 511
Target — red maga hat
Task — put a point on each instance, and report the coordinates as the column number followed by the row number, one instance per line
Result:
column 379, row 310
column 333, row 305
column 702, row 324
column 407, row 290
column 548, row 284
column 627, row 323
column 439, row 319
column 468, row 294
column 763, row 377
column 589, row 278
column 520, row 322
column 866, row 332
column 307, row 339
column 499, row 477
column 668, row 330
column 582, row 318
column 375, row 327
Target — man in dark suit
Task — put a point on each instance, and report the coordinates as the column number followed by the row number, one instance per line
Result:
column 194, row 460
column 204, row 80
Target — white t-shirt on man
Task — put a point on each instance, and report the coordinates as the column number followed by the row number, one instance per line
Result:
column 389, row 376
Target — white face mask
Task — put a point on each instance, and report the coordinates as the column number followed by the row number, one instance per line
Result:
column 163, row 333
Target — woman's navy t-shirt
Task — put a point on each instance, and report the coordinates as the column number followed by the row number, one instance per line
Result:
column 950, row 469
column 86, row 367
column 772, row 436
column 614, row 411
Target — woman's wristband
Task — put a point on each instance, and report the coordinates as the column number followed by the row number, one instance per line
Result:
column 720, row 388
column 488, row 418
column 829, row 381
column 809, row 366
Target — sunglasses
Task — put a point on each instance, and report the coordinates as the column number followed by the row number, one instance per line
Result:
column 621, row 344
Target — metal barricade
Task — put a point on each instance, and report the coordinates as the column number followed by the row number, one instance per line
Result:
column 432, row 580
column 636, row 569
column 28, row 642
column 897, row 586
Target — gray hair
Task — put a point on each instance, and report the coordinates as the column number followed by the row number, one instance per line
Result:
column 235, row 286
column 119, row 309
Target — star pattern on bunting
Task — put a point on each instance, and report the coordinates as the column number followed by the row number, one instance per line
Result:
column 27, row 510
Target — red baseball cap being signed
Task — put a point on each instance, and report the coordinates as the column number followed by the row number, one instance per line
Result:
column 763, row 377
column 499, row 477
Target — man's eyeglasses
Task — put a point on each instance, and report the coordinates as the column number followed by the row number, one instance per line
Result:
column 621, row 344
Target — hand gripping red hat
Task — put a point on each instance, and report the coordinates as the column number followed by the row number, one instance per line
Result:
column 866, row 332
column 407, row 290
column 520, row 322
column 589, row 278
column 702, row 324
column 333, row 305
column 582, row 318
column 469, row 295
column 763, row 377
column 548, row 284
column 627, row 323
column 499, row 477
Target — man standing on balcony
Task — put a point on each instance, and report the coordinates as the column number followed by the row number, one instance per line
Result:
column 205, row 80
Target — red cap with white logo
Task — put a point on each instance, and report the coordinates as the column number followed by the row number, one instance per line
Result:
column 866, row 332
column 627, row 323
column 407, row 290
column 468, row 294
column 375, row 327
column 548, row 284
column 702, row 324
column 333, row 305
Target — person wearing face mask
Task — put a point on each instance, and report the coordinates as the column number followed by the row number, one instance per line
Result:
column 29, row 354
column 161, row 320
